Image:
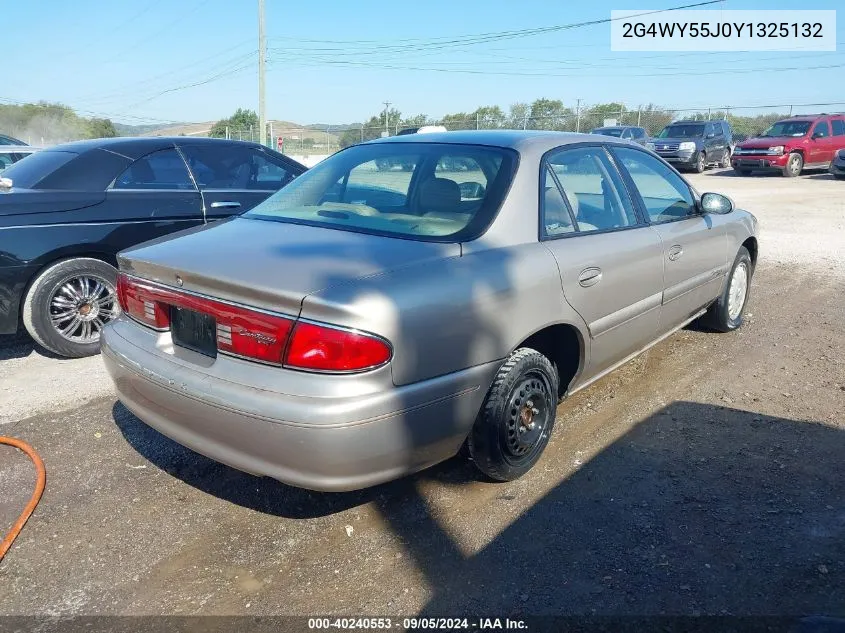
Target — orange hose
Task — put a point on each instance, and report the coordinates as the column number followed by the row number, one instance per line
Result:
column 33, row 500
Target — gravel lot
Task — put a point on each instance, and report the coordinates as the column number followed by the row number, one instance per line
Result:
column 704, row 477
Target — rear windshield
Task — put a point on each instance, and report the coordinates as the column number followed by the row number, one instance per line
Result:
column 609, row 131
column 422, row 191
column 681, row 131
column 29, row 171
column 788, row 128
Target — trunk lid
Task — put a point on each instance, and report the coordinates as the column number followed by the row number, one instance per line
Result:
column 27, row 201
column 271, row 265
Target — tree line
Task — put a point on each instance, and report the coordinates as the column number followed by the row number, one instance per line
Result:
column 51, row 123
column 551, row 114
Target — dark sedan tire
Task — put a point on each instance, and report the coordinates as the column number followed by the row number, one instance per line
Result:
column 700, row 163
column 726, row 313
column 68, row 303
column 517, row 418
column 794, row 165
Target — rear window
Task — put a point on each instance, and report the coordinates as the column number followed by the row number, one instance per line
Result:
column 609, row 131
column 422, row 191
column 28, row 172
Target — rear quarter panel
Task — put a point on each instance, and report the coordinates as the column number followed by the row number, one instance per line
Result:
column 452, row 313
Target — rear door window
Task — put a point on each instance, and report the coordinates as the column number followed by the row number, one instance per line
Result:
column 163, row 169
column 236, row 167
column 595, row 195
column 838, row 127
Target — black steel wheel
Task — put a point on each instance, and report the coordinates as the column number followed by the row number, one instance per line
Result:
column 516, row 421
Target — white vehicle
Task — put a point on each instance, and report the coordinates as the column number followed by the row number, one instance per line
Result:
column 425, row 129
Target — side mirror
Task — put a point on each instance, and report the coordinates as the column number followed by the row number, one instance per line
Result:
column 817, row 135
column 716, row 203
column 711, row 135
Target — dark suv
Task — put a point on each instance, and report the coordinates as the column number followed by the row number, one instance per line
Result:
column 695, row 144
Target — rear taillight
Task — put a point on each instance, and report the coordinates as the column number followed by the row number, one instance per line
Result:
column 320, row 348
column 257, row 335
column 248, row 333
column 139, row 301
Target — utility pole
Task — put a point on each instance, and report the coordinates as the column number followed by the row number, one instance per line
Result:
column 578, row 116
column 386, row 125
column 262, row 59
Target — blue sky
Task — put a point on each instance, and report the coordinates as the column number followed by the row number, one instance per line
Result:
column 332, row 61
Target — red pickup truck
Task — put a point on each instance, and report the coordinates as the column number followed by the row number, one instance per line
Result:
column 792, row 145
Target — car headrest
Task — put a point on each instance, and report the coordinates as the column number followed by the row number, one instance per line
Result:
column 439, row 194
column 555, row 211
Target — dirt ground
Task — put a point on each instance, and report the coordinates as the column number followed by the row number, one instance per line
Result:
column 702, row 478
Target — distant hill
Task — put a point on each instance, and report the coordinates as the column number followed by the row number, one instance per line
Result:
column 286, row 129
column 134, row 130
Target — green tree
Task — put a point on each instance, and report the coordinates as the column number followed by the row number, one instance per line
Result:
column 489, row 118
column 518, row 116
column 549, row 114
column 372, row 129
column 242, row 120
column 101, row 128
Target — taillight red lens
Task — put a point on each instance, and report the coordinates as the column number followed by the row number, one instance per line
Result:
column 141, row 302
column 249, row 333
column 328, row 349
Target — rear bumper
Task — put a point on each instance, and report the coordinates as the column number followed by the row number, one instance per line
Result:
column 686, row 158
column 760, row 163
column 355, row 436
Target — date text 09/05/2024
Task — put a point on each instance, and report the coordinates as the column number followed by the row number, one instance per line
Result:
column 434, row 624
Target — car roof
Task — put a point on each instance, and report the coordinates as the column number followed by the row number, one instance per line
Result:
column 520, row 140
column 136, row 146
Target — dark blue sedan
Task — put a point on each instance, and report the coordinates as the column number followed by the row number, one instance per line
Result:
column 66, row 211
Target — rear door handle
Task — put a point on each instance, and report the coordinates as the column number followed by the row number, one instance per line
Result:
column 589, row 277
column 225, row 204
column 675, row 252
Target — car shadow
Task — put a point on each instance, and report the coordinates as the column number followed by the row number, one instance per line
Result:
column 698, row 509
column 21, row 345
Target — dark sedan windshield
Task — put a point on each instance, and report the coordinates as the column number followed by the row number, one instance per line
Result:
column 29, row 171
column 788, row 128
column 423, row 191
column 682, row 131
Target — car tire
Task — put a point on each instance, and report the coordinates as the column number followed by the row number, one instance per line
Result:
column 726, row 312
column 794, row 165
column 700, row 163
column 516, row 420
column 726, row 159
column 76, row 296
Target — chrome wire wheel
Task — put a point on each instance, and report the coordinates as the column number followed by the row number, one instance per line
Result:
column 81, row 305
column 738, row 291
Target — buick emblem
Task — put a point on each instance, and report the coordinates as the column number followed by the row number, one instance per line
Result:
column 179, row 281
